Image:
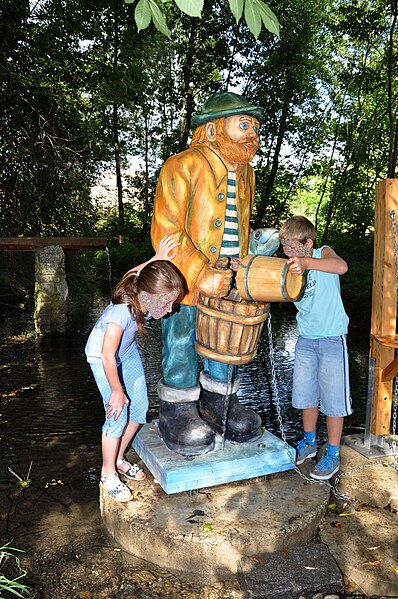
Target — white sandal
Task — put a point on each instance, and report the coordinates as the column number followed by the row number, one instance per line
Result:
column 132, row 471
column 115, row 488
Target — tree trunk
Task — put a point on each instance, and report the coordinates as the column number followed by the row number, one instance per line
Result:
column 187, row 70
column 392, row 110
column 116, row 145
column 118, row 174
column 270, row 180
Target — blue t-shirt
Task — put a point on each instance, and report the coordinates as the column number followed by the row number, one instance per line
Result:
column 120, row 315
column 320, row 311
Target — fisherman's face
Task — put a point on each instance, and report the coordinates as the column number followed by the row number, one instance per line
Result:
column 239, row 143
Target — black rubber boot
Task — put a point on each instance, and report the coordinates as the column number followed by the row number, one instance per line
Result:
column 182, row 429
column 243, row 424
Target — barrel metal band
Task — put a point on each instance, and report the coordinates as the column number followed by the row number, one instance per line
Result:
column 285, row 296
column 245, row 278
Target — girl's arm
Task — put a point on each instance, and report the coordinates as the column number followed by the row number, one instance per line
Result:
column 166, row 245
column 110, row 344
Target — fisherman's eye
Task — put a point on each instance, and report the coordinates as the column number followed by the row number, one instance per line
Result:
column 243, row 125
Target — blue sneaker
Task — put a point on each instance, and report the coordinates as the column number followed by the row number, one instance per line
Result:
column 326, row 467
column 305, row 451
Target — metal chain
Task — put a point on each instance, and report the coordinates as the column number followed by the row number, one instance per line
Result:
column 302, row 475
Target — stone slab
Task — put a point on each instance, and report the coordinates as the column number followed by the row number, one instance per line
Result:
column 368, row 481
column 364, row 543
column 298, row 572
column 203, row 534
column 227, row 463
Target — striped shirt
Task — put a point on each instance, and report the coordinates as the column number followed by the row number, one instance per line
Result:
column 230, row 240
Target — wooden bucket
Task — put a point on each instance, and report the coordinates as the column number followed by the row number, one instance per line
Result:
column 227, row 330
column 267, row 279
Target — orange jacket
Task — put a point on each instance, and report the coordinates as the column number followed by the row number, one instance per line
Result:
column 191, row 198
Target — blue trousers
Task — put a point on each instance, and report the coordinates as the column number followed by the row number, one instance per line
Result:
column 179, row 359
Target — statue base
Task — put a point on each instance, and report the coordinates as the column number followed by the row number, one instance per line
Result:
column 228, row 462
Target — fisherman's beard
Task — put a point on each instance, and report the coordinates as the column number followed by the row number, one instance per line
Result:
column 233, row 151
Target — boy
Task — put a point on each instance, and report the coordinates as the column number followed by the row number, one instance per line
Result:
column 320, row 379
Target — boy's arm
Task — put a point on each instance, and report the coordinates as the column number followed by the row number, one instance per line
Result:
column 329, row 262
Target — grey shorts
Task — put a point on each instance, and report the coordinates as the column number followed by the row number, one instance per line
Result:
column 321, row 376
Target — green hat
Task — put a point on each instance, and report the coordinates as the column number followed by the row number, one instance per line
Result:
column 226, row 104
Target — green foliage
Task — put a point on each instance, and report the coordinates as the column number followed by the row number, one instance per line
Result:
column 12, row 575
column 257, row 14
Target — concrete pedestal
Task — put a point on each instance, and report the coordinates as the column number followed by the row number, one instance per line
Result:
column 51, row 291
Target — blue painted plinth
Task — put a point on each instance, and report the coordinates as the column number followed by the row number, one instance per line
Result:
column 226, row 463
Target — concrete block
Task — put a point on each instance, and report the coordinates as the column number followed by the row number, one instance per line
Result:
column 301, row 571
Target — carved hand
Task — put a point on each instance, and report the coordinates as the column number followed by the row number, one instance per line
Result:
column 215, row 282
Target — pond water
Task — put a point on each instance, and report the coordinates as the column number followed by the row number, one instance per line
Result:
column 51, row 417
column 49, row 385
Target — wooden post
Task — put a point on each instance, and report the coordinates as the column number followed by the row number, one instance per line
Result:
column 383, row 339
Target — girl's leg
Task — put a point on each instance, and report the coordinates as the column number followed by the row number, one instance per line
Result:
column 125, row 439
column 133, row 378
column 110, row 450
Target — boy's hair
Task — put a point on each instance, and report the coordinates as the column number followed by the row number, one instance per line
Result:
column 158, row 276
column 299, row 228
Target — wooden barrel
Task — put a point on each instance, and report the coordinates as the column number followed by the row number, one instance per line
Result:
column 267, row 279
column 228, row 330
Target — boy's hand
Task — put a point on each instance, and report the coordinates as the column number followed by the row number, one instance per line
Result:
column 297, row 265
column 167, row 244
column 235, row 263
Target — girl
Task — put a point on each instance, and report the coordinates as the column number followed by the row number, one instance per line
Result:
column 149, row 289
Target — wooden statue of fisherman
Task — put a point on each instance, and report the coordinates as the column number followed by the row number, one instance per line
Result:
column 206, row 194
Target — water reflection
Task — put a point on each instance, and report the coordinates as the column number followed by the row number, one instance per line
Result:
column 57, row 401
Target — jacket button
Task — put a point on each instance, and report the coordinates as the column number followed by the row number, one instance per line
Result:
column 220, row 196
column 218, row 223
column 213, row 249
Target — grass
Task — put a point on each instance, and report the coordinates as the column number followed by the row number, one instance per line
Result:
column 13, row 587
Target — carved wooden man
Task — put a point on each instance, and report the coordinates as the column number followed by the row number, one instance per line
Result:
column 205, row 193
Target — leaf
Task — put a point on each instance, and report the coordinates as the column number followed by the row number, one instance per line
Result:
column 207, row 526
column 11, row 394
column 268, row 17
column 253, row 17
column 236, row 7
column 310, row 568
column 376, row 563
column 142, row 14
column 345, row 514
column 158, row 19
column 395, row 568
column 24, row 483
column 257, row 559
column 196, row 513
column 335, row 524
column 193, row 8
